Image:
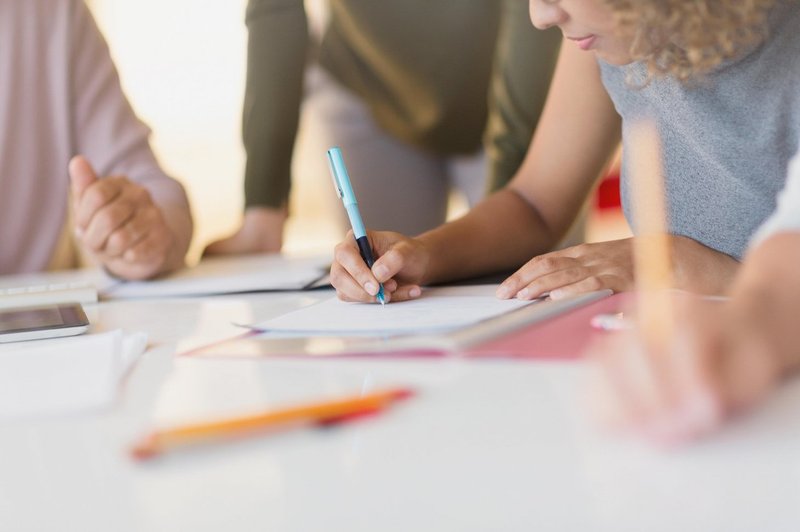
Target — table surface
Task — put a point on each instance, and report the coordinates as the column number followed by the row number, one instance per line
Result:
column 486, row 445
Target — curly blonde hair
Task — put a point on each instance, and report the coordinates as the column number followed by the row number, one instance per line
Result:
column 686, row 38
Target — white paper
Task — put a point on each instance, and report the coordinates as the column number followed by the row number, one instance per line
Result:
column 65, row 375
column 430, row 313
column 229, row 275
column 219, row 389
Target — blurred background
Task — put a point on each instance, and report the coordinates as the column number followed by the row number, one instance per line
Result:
column 182, row 65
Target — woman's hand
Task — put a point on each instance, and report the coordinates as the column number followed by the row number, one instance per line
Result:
column 572, row 271
column 718, row 362
column 400, row 264
column 609, row 265
column 261, row 232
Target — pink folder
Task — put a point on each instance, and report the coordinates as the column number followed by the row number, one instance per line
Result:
column 563, row 337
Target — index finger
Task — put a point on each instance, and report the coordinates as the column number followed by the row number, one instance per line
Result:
column 346, row 254
column 534, row 269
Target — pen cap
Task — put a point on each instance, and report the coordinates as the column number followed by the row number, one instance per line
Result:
column 341, row 179
column 333, row 174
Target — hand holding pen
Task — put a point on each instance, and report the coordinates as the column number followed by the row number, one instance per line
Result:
column 401, row 263
column 344, row 189
column 400, row 267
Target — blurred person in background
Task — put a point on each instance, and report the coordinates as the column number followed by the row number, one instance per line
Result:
column 66, row 127
column 411, row 90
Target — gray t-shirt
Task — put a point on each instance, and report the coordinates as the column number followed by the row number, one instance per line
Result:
column 726, row 140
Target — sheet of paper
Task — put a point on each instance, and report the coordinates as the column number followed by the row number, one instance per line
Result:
column 65, row 375
column 229, row 275
column 431, row 313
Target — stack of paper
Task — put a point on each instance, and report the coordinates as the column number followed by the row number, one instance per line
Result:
column 65, row 375
column 229, row 275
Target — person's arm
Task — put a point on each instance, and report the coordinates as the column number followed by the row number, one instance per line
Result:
column 524, row 62
column 767, row 297
column 578, row 130
column 767, row 291
column 138, row 223
column 723, row 359
column 276, row 59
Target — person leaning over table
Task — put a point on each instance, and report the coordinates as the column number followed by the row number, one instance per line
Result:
column 694, row 69
column 406, row 88
column 724, row 358
column 60, row 96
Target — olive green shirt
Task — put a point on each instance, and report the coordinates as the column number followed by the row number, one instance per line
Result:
column 442, row 75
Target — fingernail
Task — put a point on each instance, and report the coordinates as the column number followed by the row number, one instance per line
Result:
column 667, row 427
column 503, row 292
column 556, row 294
column 523, row 294
column 371, row 288
column 703, row 411
column 78, row 232
column 415, row 292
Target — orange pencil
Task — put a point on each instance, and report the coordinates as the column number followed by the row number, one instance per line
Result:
column 324, row 413
column 652, row 258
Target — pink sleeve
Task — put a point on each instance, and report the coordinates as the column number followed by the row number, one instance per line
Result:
column 107, row 131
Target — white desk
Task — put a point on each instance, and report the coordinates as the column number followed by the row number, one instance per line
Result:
column 487, row 445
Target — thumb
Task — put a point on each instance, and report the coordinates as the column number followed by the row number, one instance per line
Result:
column 81, row 175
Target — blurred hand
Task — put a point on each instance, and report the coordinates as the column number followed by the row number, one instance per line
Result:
column 400, row 264
column 718, row 362
column 609, row 265
column 261, row 232
column 118, row 223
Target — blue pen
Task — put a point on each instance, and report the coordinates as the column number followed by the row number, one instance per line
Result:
column 341, row 181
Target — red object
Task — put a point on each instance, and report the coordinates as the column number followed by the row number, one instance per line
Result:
column 608, row 196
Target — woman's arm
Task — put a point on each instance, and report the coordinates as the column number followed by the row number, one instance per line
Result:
column 277, row 49
column 722, row 359
column 578, row 130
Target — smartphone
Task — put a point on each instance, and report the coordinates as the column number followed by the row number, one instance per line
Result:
column 47, row 321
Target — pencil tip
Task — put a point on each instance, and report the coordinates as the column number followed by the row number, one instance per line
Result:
column 145, row 449
column 404, row 393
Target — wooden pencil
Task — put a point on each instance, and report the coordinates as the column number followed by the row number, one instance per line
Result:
column 322, row 413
